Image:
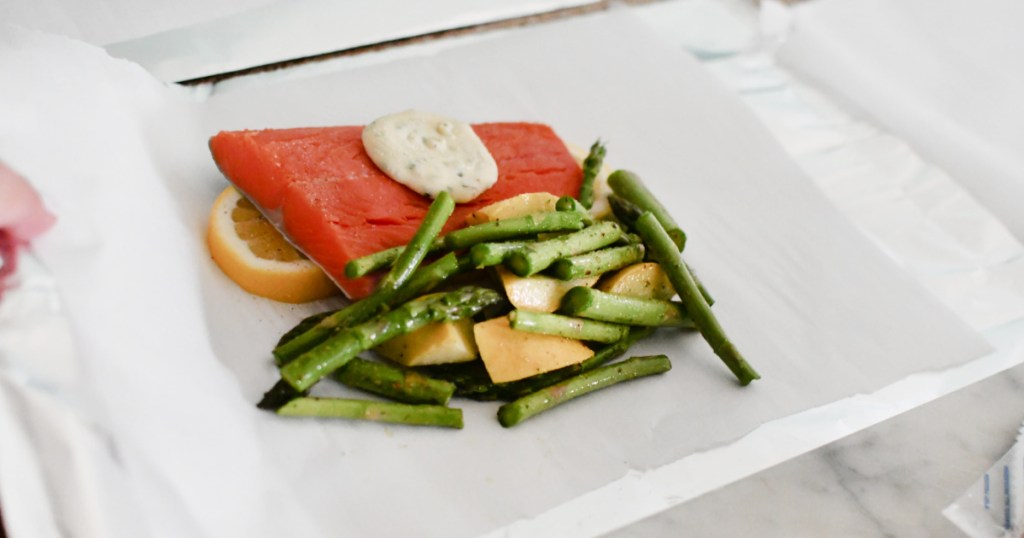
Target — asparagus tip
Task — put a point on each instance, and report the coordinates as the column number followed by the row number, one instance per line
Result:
column 278, row 396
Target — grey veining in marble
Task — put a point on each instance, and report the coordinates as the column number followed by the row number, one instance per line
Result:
column 893, row 479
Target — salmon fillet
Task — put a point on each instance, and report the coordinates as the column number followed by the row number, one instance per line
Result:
column 326, row 195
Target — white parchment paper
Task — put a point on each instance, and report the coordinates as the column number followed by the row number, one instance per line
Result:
column 944, row 75
column 173, row 355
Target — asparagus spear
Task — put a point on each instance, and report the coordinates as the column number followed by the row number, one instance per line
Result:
column 535, row 257
column 591, row 168
column 395, row 382
column 294, row 342
column 471, row 379
column 629, row 186
column 663, row 250
column 572, row 205
column 340, row 348
column 416, row 250
column 398, row 413
column 597, row 262
column 627, row 212
column 488, row 254
column 360, row 267
column 279, row 395
column 629, row 239
column 385, row 294
column 526, row 407
column 576, row 328
column 615, row 350
column 700, row 286
column 614, row 308
column 306, row 324
column 554, row 221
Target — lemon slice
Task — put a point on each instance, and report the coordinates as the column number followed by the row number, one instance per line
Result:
column 257, row 257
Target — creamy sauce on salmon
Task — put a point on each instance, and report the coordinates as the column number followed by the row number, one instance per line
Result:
column 431, row 154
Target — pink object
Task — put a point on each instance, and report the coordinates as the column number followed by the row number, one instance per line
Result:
column 22, row 217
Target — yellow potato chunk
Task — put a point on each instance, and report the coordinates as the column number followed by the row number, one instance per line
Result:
column 436, row 343
column 539, row 293
column 509, row 354
column 516, row 206
column 644, row 280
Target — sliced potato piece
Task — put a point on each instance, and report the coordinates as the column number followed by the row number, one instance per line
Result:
column 644, row 280
column 509, row 354
column 436, row 343
column 539, row 293
column 516, row 206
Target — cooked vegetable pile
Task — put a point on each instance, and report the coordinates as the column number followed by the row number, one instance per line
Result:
column 508, row 310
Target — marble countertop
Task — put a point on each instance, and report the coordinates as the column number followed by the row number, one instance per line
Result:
column 893, row 479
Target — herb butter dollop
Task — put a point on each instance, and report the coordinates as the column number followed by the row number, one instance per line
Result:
column 430, row 153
